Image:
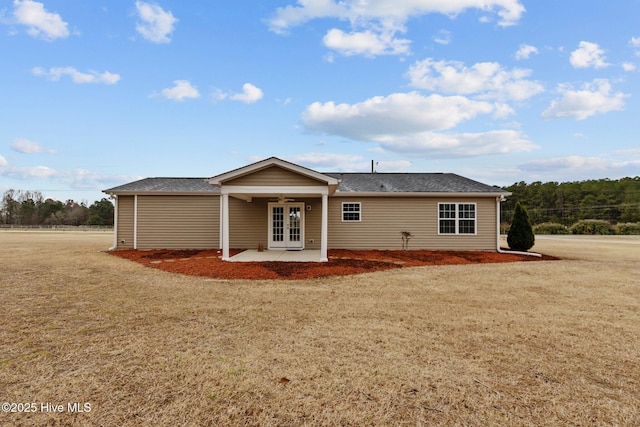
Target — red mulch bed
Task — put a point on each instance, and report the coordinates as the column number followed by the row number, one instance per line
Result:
column 342, row 262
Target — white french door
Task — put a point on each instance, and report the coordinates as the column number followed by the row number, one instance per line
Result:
column 286, row 226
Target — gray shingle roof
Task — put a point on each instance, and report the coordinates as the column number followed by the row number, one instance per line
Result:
column 166, row 185
column 349, row 183
column 410, row 183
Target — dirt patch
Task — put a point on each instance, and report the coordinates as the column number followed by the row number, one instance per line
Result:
column 341, row 262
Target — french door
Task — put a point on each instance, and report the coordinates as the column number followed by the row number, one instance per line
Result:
column 286, row 226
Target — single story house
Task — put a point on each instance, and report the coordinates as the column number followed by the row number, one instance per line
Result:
column 282, row 205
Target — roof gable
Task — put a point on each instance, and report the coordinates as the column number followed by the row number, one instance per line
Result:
column 221, row 179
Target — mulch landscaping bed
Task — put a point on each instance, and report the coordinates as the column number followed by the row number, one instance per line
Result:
column 341, row 262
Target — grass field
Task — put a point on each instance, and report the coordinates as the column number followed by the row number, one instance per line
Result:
column 545, row 343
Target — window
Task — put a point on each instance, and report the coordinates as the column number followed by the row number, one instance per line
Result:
column 456, row 218
column 351, row 211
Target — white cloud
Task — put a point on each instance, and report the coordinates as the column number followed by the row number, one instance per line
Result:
column 367, row 43
column 443, row 37
column 594, row 98
column 249, row 95
column 77, row 179
column 410, row 123
column 78, row 77
column 374, row 24
column 181, row 90
column 156, row 24
column 588, row 55
column 3, row 162
column 396, row 11
column 628, row 66
column 525, row 51
column 451, row 145
column 338, row 162
column 634, row 42
column 25, row 146
column 39, row 22
column 487, row 80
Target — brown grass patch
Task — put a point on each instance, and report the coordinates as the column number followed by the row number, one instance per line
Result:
column 207, row 263
column 510, row 344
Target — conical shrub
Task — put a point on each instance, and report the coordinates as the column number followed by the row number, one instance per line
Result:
column 520, row 236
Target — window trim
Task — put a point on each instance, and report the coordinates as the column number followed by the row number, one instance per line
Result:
column 457, row 219
column 359, row 212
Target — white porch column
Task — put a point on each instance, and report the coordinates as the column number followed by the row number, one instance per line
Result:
column 324, row 233
column 225, row 227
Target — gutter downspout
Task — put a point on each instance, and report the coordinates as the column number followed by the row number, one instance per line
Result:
column 115, row 225
column 500, row 251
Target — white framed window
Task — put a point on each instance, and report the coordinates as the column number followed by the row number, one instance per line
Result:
column 351, row 212
column 457, row 218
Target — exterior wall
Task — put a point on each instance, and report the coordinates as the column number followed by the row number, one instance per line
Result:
column 273, row 175
column 124, row 239
column 178, row 222
column 249, row 223
column 384, row 218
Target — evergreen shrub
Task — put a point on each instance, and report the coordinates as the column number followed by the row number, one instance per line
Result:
column 520, row 236
column 591, row 226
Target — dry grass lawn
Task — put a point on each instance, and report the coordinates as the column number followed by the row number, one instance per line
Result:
column 544, row 343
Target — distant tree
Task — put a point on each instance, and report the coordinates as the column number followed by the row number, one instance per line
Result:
column 9, row 207
column 520, row 236
column 101, row 213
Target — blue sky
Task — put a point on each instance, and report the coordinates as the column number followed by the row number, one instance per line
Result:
column 96, row 94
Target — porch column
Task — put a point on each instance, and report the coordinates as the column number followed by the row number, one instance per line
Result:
column 225, row 227
column 323, row 233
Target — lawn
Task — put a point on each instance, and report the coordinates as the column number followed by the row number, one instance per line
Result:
column 522, row 343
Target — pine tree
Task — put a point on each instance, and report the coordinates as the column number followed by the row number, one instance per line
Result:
column 520, row 236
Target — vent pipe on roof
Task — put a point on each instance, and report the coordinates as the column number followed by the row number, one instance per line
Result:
column 372, row 171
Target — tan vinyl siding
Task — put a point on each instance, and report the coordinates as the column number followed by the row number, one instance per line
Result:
column 274, row 176
column 384, row 218
column 247, row 223
column 125, row 222
column 178, row 222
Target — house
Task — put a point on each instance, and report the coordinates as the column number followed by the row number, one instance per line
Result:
column 282, row 205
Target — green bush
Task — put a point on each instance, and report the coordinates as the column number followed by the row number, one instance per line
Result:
column 628, row 228
column 520, row 236
column 591, row 226
column 550, row 228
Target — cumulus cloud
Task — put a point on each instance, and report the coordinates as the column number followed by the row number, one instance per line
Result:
column 3, row 162
column 564, row 163
column 413, row 123
column 588, row 55
column 367, row 43
column 628, row 66
column 156, row 24
column 181, row 90
column 25, row 146
column 634, row 42
column 39, row 22
column 594, row 98
column 339, row 162
column 374, row 24
column 486, row 80
column 78, row 77
column 249, row 95
column 525, row 51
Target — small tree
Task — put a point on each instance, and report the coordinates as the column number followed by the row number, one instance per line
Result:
column 520, row 236
column 406, row 236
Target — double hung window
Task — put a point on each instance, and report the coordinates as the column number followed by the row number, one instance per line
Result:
column 456, row 218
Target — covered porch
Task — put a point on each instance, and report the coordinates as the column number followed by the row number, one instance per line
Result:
column 276, row 200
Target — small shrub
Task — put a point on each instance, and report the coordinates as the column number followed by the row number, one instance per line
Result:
column 628, row 228
column 591, row 226
column 550, row 228
column 520, row 236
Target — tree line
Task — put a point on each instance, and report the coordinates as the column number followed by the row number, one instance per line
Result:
column 614, row 201
column 30, row 208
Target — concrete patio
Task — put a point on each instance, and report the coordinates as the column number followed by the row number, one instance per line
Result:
column 252, row 255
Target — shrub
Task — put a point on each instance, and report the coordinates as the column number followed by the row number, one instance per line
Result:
column 520, row 236
column 591, row 226
column 550, row 228
column 628, row 228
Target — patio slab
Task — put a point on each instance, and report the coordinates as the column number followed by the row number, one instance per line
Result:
column 252, row 255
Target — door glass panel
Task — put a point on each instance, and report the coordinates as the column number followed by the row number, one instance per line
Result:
column 294, row 223
column 277, row 225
